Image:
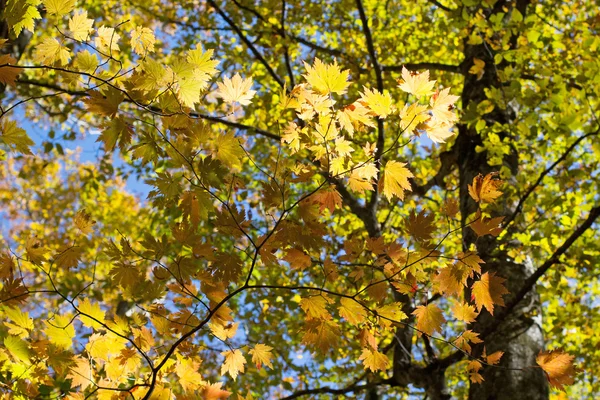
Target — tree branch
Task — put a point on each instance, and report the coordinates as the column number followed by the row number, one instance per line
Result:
column 537, row 183
column 247, row 42
column 528, row 284
column 326, row 389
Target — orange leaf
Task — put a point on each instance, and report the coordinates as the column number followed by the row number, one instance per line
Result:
column 485, row 189
column 429, row 318
column 488, row 291
column 558, row 367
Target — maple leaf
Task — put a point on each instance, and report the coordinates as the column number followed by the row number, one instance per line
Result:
column 438, row 132
column 395, row 180
column 213, row 391
column 59, row 7
column 107, row 40
column 493, row 358
column 94, row 316
column 261, row 354
column 298, row 259
column 315, row 307
column 558, row 367
column 51, row 51
column 380, row 104
column 142, row 40
column 374, row 360
column 68, row 258
column 82, row 373
column 21, row 14
column 328, row 198
column 464, row 312
column 489, row 291
column 233, row 364
column 18, row 348
column 327, row 78
column 105, row 102
column 442, row 106
column 86, row 61
column 416, row 83
column 7, row 265
column 60, row 331
column 187, row 372
column 322, row 334
column 81, row 26
column 487, row 226
column 83, row 221
column 8, row 73
column 429, row 319
column 35, row 251
column 236, row 90
column 485, row 189
column 352, row 311
column 229, row 150
column 14, row 137
column 420, row 226
column 20, row 324
column 465, row 338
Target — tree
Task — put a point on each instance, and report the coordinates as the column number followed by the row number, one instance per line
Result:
column 352, row 198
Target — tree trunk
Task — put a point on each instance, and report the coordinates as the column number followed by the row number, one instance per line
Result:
column 520, row 334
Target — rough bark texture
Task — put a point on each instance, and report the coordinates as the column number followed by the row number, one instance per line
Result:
column 520, row 335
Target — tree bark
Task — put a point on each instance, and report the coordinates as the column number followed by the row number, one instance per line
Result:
column 520, row 335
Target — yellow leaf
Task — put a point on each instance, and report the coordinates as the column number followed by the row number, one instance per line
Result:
column 327, row 78
column 50, row 51
column 297, row 259
column 261, row 354
column 236, row 90
column 229, row 150
column 437, row 131
column 20, row 324
column 315, row 307
column 18, row 348
column 374, row 360
column 68, row 258
column 14, row 137
column 86, row 61
column 60, row 331
column 213, row 391
column 488, row 291
column 381, row 104
column 8, row 73
column 464, row 312
column 82, row 373
column 416, row 83
column 223, row 331
column 395, row 180
column 142, row 40
column 485, row 189
column 107, row 40
column 35, row 251
column 205, row 66
column 478, row 68
column 83, row 221
column 352, row 311
column 105, row 102
column 558, row 367
column 59, row 7
column 442, row 106
column 95, row 315
column 81, row 26
column 187, row 372
column 429, row 318
column 233, row 364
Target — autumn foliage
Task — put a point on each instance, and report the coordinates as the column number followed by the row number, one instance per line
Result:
column 287, row 226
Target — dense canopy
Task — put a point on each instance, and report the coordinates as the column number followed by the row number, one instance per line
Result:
column 299, row 199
